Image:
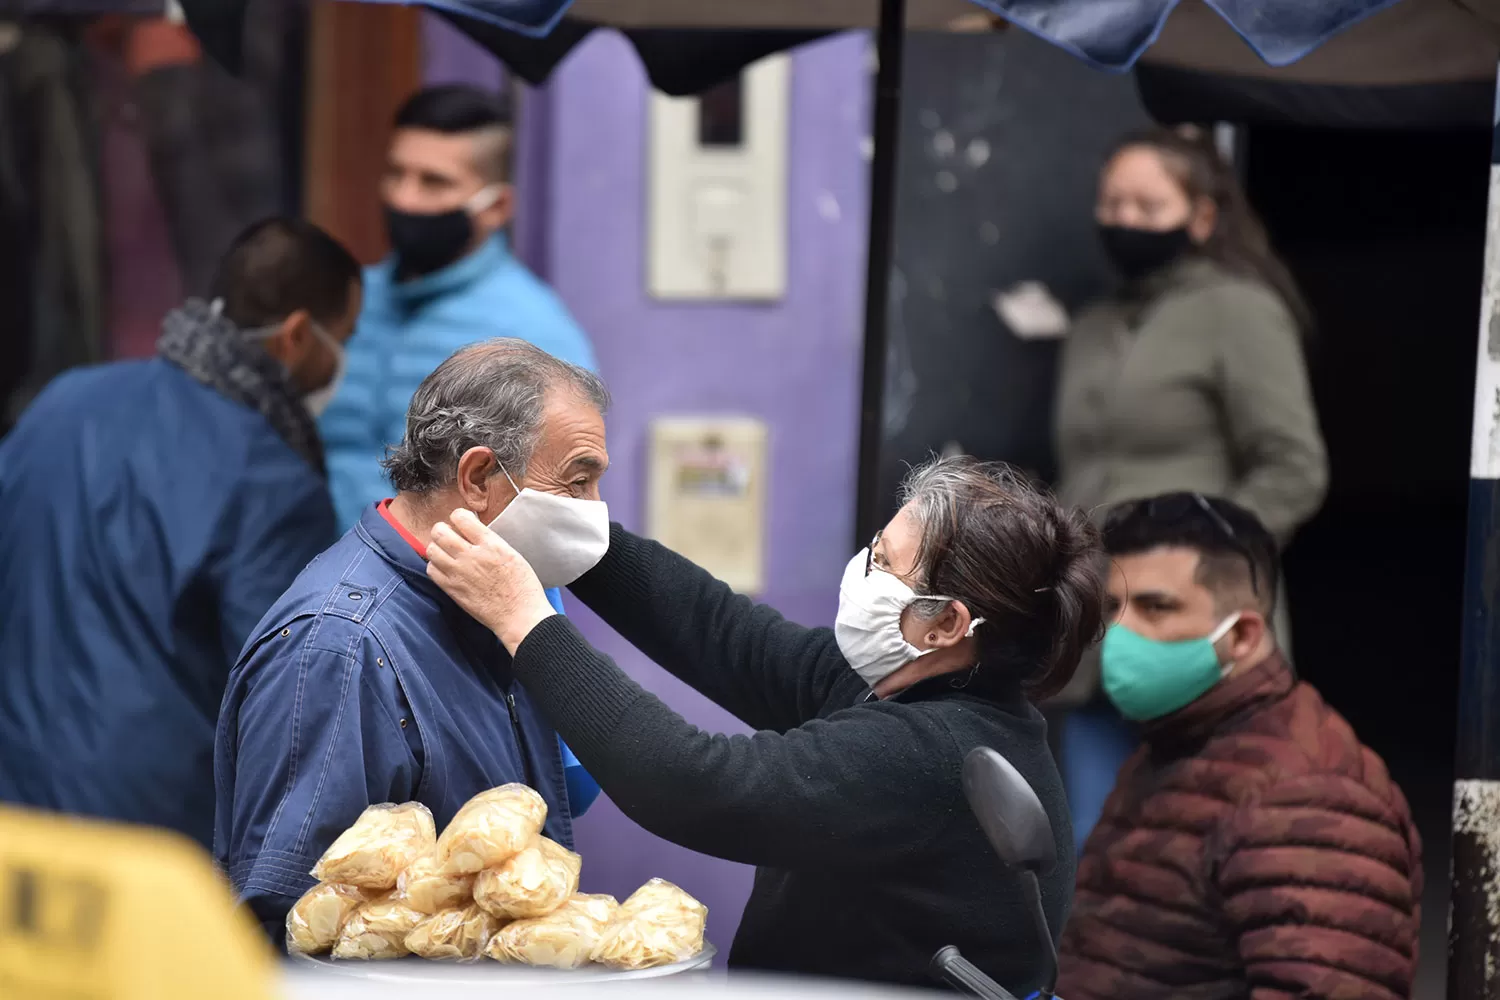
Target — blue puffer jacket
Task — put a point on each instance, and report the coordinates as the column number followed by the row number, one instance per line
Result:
column 408, row 329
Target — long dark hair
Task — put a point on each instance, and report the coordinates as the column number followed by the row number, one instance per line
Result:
column 1239, row 242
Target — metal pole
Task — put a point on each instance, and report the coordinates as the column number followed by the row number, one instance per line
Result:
column 887, row 122
column 1474, row 919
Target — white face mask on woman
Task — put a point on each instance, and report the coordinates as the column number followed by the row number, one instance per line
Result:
column 561, row 537
column 868, row 626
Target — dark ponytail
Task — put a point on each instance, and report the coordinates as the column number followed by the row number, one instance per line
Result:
column 1239, row 242
column 1030, row 567
column 1076, row 600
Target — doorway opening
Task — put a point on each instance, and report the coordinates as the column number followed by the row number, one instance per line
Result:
column 1385, row 233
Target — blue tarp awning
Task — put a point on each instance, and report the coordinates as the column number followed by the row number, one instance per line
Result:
column 686, row 49
column 1114, row 34
column 1110, row 34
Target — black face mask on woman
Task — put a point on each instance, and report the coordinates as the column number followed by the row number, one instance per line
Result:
column 429, row 241
column 1139, row 253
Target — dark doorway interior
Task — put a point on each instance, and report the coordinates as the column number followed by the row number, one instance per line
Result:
column 1386, row 233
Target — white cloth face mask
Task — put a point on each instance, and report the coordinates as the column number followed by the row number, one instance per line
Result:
column 317, row 401
column 868, row 626
column 561, row 537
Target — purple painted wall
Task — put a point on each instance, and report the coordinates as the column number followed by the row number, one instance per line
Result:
column 450, row 57
column 794, row 364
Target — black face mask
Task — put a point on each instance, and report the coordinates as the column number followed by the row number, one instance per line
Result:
column 425, row 243
column 1138, row 253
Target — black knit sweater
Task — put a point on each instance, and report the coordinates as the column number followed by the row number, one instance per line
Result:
column 851, row 807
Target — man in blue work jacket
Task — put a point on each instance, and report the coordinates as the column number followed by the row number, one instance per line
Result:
column 153, row 511
column 450, row 281
column 365, row 683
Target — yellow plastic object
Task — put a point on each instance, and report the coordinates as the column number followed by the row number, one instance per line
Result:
column 115, row 912
column 659, row 925
column 533, row 883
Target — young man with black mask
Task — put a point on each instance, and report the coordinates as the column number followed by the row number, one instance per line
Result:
column 450, row 281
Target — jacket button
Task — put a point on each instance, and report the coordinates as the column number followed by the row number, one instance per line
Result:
column 379, row 662
column 285, row 632
column 403, row 723
column 355, row 595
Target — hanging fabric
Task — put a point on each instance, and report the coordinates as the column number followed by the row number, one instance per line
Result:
column 215, row 150
column 51, row 195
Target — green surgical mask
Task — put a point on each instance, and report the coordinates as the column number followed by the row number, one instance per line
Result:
column 1147, row 679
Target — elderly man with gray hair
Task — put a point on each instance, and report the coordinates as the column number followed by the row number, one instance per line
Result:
column 365, row 683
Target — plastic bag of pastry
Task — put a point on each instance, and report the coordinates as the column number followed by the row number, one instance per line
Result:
column 378, row 930
column 563, row 939
column 378, row 847
column 658, row 925
column 313, row 925
column 456, row 935
column 422, row 887
column 532, row 883
column 490, row 828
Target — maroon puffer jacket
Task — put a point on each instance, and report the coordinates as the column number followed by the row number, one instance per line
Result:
column 1251, row 849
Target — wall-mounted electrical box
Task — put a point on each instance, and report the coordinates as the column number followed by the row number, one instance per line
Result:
column 706, row 495
column 716, row 200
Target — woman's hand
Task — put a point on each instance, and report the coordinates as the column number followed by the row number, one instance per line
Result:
column 487, row 578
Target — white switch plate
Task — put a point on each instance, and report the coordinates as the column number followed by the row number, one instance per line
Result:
column 716, row 218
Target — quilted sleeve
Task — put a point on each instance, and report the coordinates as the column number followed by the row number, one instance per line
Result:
column 1321, row 883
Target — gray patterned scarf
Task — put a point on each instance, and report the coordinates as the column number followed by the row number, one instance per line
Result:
column 217, row 353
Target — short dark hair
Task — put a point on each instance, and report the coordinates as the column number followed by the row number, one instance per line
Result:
column 458, row 109
column 280, row 265
column 1236, row 552
column 1027, row 565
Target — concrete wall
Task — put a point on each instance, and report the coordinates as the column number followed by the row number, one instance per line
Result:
column 794, row 364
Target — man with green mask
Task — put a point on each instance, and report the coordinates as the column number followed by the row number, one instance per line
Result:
column 1252, row 847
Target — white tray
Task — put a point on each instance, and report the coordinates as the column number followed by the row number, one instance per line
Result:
column 421, row 972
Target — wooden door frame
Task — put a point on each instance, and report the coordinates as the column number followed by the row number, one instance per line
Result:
column 364, row 60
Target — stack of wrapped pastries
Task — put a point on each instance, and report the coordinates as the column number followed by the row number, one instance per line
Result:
column 490, row 886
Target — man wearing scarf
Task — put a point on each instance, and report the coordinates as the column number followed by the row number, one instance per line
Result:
column 153, row 511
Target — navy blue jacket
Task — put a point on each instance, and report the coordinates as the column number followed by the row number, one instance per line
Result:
column 148, row 524
column 365, row 684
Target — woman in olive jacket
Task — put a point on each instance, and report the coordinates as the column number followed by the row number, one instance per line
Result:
column 1190, row 378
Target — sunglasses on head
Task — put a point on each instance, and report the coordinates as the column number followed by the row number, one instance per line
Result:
column 1180, row 506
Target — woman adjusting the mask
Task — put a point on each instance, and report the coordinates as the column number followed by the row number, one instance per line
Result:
column 980, row 593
